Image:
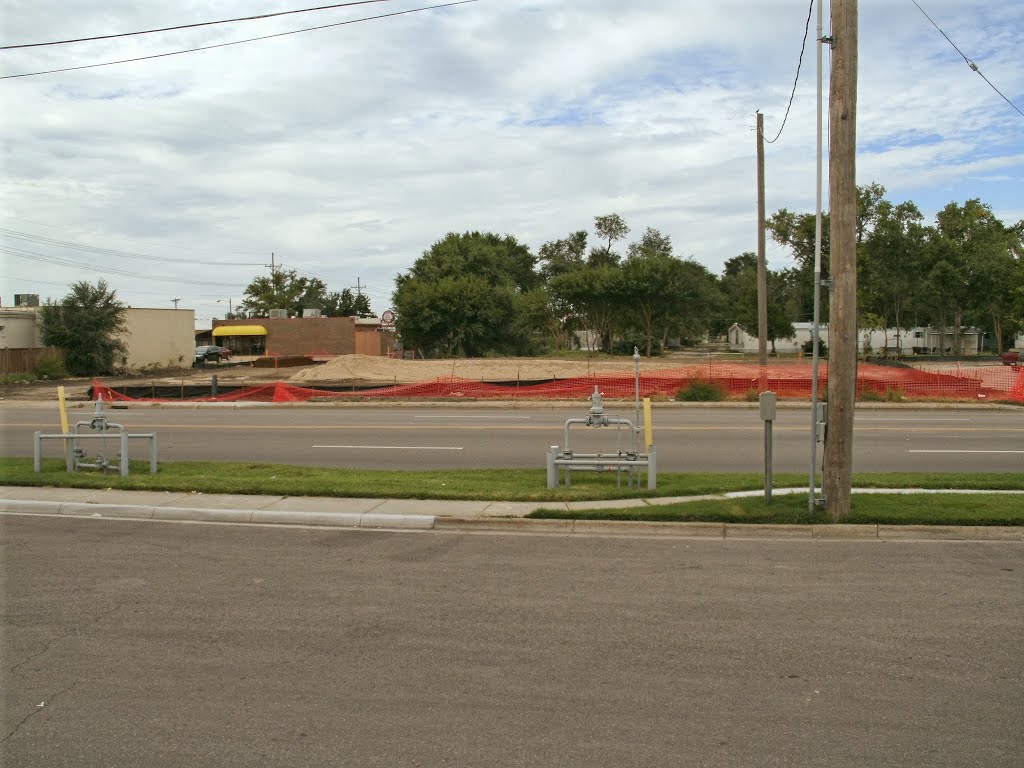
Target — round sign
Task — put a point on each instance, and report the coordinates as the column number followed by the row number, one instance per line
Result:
column 387, row 316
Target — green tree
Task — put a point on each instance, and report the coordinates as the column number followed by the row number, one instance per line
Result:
column 890, row 265
column 346, row 304
column 283, row 289
column 739, row 290
column 559, row 256
column 612, row 228
column 660, row 294
column 88, row 325
column 592, row 294
column 462, row 296
column 973, row 258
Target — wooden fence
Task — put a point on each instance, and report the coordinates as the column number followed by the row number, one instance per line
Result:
column 25, row 360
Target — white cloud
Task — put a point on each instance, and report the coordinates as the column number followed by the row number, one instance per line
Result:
column 348, row 151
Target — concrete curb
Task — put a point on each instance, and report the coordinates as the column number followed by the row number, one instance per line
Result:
column 736, row 531
column 206, row 515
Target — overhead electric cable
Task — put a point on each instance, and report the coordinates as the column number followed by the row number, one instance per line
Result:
column 189, row 26
column 33, row 256
column 799, row 63
column 42, row 240
column 239, row 42
column 970, row 63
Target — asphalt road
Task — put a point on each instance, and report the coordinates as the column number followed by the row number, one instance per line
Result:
column 432, row 437
column 157, row 644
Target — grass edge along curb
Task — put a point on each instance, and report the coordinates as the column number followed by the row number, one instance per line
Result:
column 957, row 509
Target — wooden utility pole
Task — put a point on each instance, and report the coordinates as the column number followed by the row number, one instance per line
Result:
column 842, row 330
column 762, row 268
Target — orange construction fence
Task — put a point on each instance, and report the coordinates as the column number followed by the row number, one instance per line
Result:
column 738, row 380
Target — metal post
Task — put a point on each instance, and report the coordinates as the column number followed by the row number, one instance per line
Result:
column 815, row 332
column 767, row 403
column 652, row 471
column 152, row 454
column 552, row 469
column 123, row 463
column 636, row 381
column 37, row 453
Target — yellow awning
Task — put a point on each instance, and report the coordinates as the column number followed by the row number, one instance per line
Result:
column 239, row 330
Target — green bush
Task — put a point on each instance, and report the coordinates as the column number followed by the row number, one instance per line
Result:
column 50, row 367
column 18, row 378
column 698, row 391
column 890, row 395
column 808, row 348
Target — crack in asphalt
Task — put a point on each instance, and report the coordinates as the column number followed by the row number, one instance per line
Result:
column 37, row 709
column 49, row 643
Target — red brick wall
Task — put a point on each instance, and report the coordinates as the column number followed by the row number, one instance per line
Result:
column 303, row 335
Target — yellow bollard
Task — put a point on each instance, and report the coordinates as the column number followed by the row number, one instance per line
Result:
column 63, row 411
column 63, row 419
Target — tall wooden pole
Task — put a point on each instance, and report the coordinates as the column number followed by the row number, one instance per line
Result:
column 762, row 268
column 842, row 331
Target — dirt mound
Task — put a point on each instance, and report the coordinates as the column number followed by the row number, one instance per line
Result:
column 364, row 368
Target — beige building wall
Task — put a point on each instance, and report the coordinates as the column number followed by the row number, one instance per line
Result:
column 19, row 329
column 160, row 338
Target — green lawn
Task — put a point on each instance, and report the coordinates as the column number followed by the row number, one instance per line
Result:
column 896, row 509
column 528, row 485
column 485, row 484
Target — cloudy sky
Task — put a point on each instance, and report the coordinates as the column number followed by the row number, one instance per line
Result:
column 346, row 152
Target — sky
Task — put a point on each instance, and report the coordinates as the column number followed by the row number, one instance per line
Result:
column 347, row 152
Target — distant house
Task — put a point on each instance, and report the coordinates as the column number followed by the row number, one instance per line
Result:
column 917, row 340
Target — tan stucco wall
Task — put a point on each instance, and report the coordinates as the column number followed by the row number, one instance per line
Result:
column 162, row 338
column 19, row 329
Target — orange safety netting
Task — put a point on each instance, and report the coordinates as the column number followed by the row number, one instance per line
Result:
column 738, row 380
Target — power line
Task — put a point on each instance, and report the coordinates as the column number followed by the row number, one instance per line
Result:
column 970, row 63
column 59, row 261
column 799, row 62
column 41, row 240
column 34, row 281
column 189, row 26
column 239, row 42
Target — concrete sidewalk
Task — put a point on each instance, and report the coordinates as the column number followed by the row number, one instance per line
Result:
column 413, row 514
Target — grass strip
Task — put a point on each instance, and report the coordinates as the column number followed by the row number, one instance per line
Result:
column 478, row 484
column 897, row 509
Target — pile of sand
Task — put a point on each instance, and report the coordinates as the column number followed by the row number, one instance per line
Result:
column 364, row 368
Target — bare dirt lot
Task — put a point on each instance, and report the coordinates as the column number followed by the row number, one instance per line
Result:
column 355, row 370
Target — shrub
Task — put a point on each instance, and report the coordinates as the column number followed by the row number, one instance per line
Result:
column 893, row 395
column 50, row 367
column 889, row 395
column 698, row 391
column 822, row 348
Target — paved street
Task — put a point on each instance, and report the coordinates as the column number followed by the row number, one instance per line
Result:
column 432, row 437
column 168, row 644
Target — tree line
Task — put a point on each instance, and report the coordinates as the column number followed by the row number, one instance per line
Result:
column 476, row 293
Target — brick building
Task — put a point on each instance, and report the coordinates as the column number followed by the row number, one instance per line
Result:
column 307, row 336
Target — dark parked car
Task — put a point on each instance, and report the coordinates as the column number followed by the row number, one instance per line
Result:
column 212, row 354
